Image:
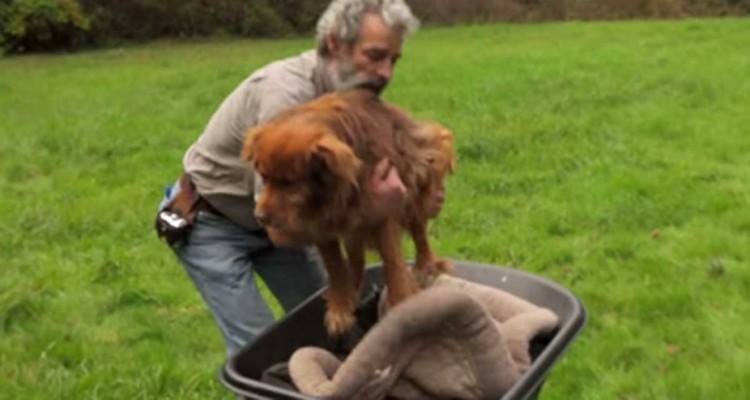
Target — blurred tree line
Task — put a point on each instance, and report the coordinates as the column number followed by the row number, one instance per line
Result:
column 43, row 25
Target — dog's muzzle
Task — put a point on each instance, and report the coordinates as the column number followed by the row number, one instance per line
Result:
column 262, row 218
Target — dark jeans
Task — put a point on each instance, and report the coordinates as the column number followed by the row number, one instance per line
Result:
column 221, row 258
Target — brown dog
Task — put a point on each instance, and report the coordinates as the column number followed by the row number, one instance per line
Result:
column 315, row 161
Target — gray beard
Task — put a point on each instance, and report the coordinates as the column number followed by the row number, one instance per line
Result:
column 344, row 76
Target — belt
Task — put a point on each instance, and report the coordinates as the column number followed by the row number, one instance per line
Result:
column 203, row 205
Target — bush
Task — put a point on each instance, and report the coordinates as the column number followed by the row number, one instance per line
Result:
column 301, row 14
column 37, row 25
column 258, row 18
column 149, row 19
column 717, row 7
column 452, row 11
column 461, row 11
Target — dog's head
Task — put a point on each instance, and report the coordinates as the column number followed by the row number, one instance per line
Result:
column 306, row 171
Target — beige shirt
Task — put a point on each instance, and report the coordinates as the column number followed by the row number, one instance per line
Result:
column 213, row 162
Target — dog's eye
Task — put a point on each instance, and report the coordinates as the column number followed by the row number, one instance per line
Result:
column 282, row 182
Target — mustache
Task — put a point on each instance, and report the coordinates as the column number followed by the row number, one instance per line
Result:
column 375, row 85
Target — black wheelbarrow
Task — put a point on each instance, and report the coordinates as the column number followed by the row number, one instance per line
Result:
column 303, row 326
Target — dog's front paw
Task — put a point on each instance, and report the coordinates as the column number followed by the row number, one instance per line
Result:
column 434, row 266
column 340, row 307
column 426, row 272
column 339, row 322
column 440, row 266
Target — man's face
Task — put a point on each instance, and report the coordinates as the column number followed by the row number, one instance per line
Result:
column 368, row 62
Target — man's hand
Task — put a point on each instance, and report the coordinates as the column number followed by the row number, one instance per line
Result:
column 387, row 189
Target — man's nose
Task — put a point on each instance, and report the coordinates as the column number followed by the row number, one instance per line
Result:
column 385, row 70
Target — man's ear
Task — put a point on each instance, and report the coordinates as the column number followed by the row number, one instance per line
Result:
column 338, row 158
column 332, row 45
column 338, row 49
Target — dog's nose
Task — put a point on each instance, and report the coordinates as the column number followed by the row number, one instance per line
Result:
column 261, row 217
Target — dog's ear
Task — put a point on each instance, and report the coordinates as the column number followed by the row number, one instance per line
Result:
column 447, row 147
column 440, row 140
column 338, row 158
column 251, row 137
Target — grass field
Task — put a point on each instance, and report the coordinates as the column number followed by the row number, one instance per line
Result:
column 610, row 157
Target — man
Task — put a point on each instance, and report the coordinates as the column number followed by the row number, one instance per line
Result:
column 359, row 42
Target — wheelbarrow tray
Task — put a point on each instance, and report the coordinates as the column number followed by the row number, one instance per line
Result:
column 303, row 326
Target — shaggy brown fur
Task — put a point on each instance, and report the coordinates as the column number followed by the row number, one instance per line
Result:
column 316, row 160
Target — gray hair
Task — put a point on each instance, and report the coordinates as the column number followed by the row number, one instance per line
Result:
column 343, row 19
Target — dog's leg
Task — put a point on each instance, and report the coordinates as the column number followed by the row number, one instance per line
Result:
column 398, row 278
column 427, row 264
column 355, row 252
column 341, row 297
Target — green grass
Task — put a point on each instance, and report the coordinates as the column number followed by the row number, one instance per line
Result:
column 610, row 157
